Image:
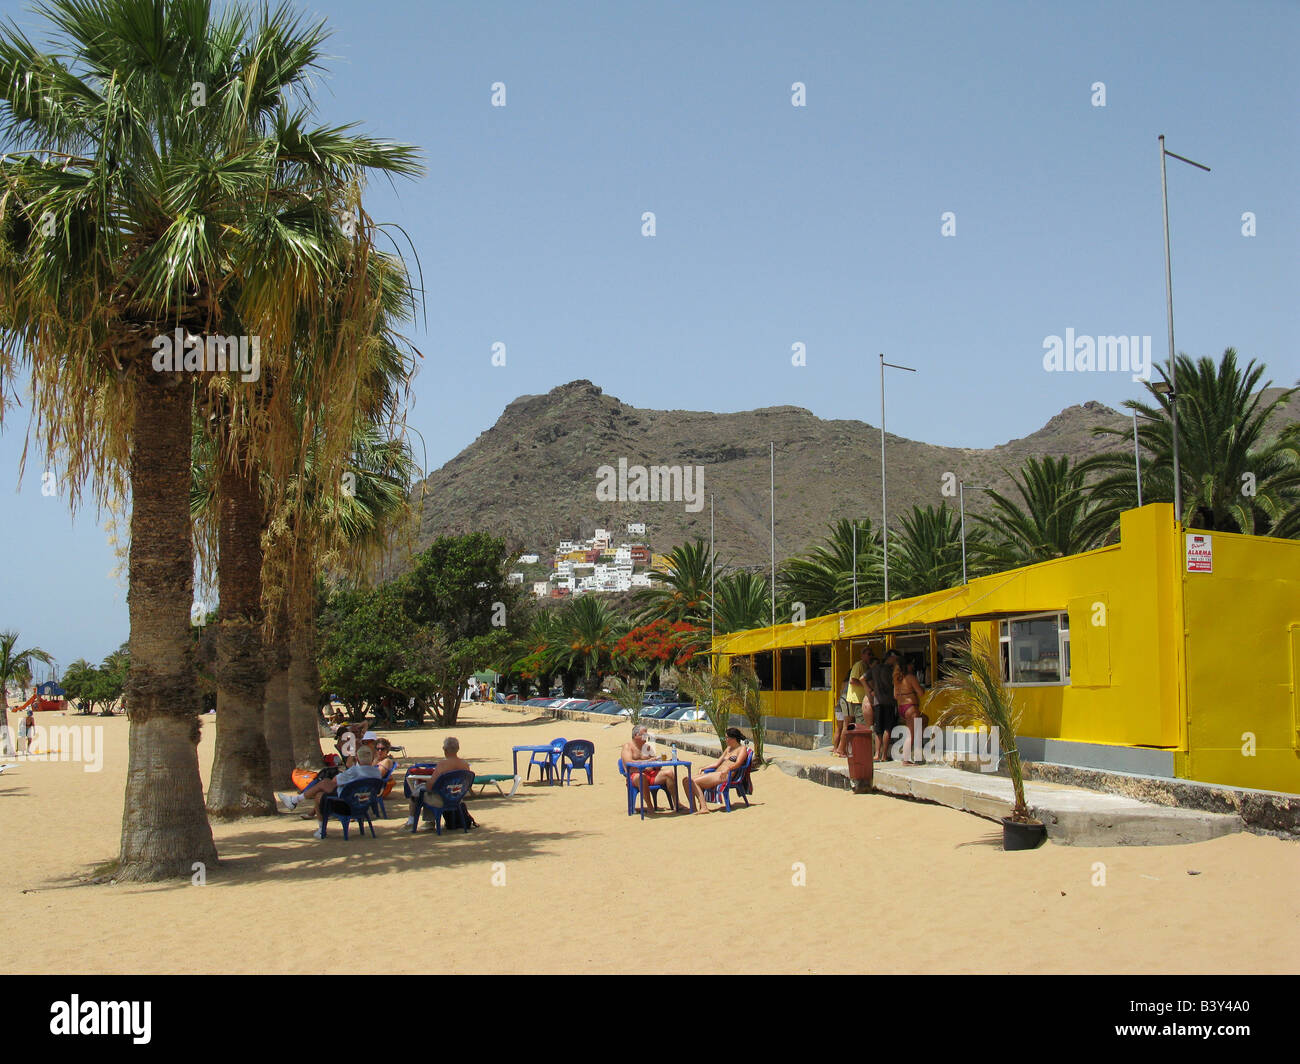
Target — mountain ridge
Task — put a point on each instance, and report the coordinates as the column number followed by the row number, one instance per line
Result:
column 534, row 475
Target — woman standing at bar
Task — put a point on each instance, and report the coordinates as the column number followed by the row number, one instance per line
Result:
column 908, row 694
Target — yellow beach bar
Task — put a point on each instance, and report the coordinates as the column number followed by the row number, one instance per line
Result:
column 1171, row 653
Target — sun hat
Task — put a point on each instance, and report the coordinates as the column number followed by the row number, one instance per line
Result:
column 368, row 736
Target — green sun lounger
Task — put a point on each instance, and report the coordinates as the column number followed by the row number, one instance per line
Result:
column 482, row 781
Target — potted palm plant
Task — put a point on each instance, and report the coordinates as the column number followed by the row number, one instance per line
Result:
column 630, row 694
column 979, row 698
column 704, row 687
column 740, row 691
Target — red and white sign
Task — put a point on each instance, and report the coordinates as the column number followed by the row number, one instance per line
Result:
column 1200, row 554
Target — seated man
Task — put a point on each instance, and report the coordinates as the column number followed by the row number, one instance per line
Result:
column 321, row 788
column 639, row 749
column 421, row 792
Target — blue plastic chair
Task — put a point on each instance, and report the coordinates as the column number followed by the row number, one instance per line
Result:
column 635, row 792
column 737, row 780
column 353, row 802
column 453, row 789
column 577, row 754
column 547, row 761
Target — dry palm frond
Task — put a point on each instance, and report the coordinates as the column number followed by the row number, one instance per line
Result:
column 706, row 689
column 980, row 698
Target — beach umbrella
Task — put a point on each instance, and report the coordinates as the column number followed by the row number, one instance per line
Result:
column 485, row 676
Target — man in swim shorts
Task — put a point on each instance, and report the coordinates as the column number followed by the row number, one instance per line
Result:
column 638, row 749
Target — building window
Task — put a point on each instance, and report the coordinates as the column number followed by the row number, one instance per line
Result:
column 1035, row 650
column 763, row 669
column 794, row 669
column 820, row 658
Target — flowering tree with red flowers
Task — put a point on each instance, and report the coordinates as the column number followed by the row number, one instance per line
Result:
column 655, row 646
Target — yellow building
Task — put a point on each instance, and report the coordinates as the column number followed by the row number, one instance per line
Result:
column 1170, row 653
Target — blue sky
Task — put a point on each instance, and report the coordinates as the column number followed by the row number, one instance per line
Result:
column 778, row 224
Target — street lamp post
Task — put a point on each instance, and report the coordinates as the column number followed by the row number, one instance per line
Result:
column 1169, row 311
column 961, row 504
column 884, row 507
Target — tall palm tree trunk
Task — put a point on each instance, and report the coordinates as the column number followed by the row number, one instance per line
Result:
column 165, row 829
column 303, row 680
column 241, row 769
column 275, row 721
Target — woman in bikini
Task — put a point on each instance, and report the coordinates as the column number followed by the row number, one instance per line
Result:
column 908, row 695
column 717, row 773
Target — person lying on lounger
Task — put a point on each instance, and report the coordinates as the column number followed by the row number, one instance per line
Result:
column 716, row 774
column 422, row 792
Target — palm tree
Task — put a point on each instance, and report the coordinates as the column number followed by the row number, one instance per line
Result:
column 979, row 698
column 742, row 600
column 1288, row 525
column 1236, row 478
column 682, row 593
column 15, row 667
column 706, row 689
column 629, row 693
column 926, row 553
column 740, row 694
column 352, row 524
column 822, row 579
column 535, row 651
column 588, row 628
column 171, row 185
column 1055, row 516
column 79, row 679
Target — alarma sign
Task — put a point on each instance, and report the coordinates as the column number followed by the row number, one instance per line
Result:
column 1200, row 554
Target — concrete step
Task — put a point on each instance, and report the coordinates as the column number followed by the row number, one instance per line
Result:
column 1074, row 816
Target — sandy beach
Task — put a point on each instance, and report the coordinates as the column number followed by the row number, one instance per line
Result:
column 889, row 885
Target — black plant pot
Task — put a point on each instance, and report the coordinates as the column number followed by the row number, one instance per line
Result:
column 1022, row 836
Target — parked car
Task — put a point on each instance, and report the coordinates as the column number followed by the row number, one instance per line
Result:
column 657, row 712
column 686, row 713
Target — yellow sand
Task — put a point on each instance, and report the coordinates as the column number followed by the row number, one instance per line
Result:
column 891, row 885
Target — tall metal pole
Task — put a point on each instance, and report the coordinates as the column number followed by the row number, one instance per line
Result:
column 1137, row 459
column 1169, row 310
column 961, row 504
column 772, row 499
column 855, row 564
column 713, row 566
column 1173, row 364
column 884, row 504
